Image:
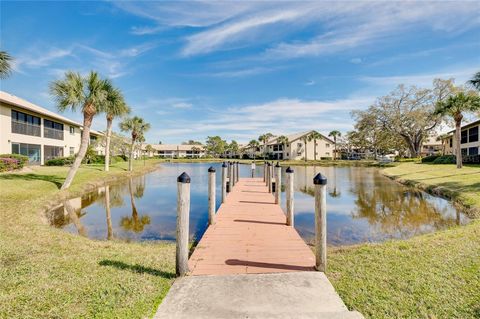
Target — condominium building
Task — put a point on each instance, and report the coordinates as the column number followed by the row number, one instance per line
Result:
column 469, row 143
column 297, row 147
column 176, row 150
column 33, row 131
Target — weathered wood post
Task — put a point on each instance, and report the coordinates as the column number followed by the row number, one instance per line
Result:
column 211, row 196
column 224, row 182
column 278, row 183
column 264, row 172
column 320, row 183
column 183, row 216
column 234, row 173
column 289, row 195
column 269, row 177
column 237, row 175
column 253, row 169
column 230, row 174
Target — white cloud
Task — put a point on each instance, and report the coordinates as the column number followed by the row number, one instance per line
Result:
column 182, row 105
column 356, row 60
column 310, row 83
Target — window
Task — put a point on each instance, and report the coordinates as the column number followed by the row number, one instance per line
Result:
column 72, row 151
column 31, row 150
column 451, row 142
column 72, row 130
column 327, row 145
column 25, row 124
column 464, row 138
column 464, row 151
column 52, row 129
column 299, row 144
column 473, row 135
column 473, row 151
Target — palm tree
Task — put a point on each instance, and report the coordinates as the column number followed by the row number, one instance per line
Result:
column 90, row 95
column 136, row 223
column 314, row 136
column 264, row 139
column 335, row 134
column 305, row 139
column 443, row 138
column 5, row 64
column 475, row 81
column 282, row 140
column 115, row 106
column 149, row 149
column 254, row 144
column 455, row 106
column 137, row 126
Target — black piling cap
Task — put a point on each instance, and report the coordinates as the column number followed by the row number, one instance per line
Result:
column 211, row 170
column 224, row 164
column 289, row 170
column 268, row 164
column 278, row 164
column 183, row 178
column 320, row 179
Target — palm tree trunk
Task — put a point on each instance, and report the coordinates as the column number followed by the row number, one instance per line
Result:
column 315, row 149
column 107, row 144
column 130, row 159
column 335, row 148
column 87, row 122
column 458, row 130
column 109, row 215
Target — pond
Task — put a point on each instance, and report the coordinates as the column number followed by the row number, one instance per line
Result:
column 362, row 206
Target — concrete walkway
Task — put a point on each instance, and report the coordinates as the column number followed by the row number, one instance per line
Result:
column 281, row 295
column 251, row 265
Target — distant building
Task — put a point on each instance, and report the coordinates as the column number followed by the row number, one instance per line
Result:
column 176, row 150
column 431, row 146
column 296, row 148
column 470, row 143
column 31, row 130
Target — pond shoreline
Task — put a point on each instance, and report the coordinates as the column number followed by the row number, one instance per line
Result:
column 439, row 191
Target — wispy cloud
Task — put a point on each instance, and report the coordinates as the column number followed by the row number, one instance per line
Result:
column 310, row 83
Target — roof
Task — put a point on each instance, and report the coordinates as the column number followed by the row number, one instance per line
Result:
column 296, row 136
column 13, row 100
column 175, row 147
column 474, row 123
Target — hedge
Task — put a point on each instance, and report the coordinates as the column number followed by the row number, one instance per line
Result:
column 446, row 159
column 10, row 162
column 60, row 161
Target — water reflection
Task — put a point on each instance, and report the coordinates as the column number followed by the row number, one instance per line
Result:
column 362, row 206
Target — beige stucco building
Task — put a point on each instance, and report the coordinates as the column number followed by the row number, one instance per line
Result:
column 28, row 129
column 470, row 142
column 297, row 148
column 176, row 150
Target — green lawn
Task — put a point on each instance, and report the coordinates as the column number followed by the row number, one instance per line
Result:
column 430, row 276
column 48, row 273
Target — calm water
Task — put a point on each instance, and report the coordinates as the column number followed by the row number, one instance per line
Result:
column 362, row 206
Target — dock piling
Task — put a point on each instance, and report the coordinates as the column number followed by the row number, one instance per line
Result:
column 320, row 183
column 278, row 184
column 269, row 177
column 211, row 196
column 253, row 169
column 183, row 216
column 289, row 195
column 238, row 171
column 224, row 182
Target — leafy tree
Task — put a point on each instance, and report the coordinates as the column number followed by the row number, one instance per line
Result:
column 255, row 145
column 234, row 148
column 191, row 142
column 149, row 149
column 305, row 139
column 264, row 140
column 5, row 64
column 409, row 113
column 335, row 134
column 314, row 136
column 455, row 106
column 137, row 127
column 115, row 106
column 215, row 145
column 89, row 93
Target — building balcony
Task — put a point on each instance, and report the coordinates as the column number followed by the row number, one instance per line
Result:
column 25, row 128
column 52, row 133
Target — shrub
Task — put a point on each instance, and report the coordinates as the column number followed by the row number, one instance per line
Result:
column 60, row 161
column 8, row 164
column 117, row 159
column 22, row 159
column 430, row 159
column 94, row 159
column 446, row 159
column 328, row 158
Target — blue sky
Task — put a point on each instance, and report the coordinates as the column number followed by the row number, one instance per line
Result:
column 240, row 69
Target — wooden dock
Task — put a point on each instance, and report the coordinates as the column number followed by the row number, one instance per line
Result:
column 250, row 236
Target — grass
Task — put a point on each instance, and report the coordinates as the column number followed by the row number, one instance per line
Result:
column 48, row 273
column 461, row 185
column 430, row 276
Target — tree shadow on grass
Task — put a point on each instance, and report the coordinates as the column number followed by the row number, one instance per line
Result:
column 139, row 269
column 58, row 181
